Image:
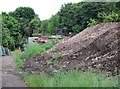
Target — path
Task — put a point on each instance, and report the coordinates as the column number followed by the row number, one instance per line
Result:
column 9, row 73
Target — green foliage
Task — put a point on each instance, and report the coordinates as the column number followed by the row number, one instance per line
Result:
column 34, row 49
column 109, row 17
column 49, row 44
column 23, row 15
column 34, row 26
column 71, row 79
column 17, row 57
column 43, row 28
column 10, row 32
column 23, row 12
column 53, row 24
column 75, row 17
column 92, row 22
column 117, row 4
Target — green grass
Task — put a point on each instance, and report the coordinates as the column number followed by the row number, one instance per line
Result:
column 71, row 79
column 17, row 56
column 34, row 49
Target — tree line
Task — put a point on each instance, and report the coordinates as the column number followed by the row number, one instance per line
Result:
column 74, row 17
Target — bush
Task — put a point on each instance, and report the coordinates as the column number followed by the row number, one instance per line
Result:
column 17, row 57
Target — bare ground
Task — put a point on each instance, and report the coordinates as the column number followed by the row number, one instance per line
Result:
column 96, row 47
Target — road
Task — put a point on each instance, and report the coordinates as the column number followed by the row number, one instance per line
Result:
column 9, row 73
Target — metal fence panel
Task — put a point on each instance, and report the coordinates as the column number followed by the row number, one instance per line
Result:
column 4, row 51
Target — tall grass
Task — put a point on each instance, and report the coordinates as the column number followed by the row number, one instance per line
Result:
column 31, row 50
column 34, row 49
column 17, row 56
column 71, row 79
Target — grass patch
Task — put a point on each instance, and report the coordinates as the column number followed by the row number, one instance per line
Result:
column 31, row 50
column 34, row 49
column 71, row 79
column 17, row 56
column 49, row 44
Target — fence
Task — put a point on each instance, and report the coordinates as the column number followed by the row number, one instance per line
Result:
column 4, row 51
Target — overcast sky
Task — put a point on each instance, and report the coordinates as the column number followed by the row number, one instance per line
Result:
column 44, row 8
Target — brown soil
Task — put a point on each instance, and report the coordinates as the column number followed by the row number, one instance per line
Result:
column 95, row 47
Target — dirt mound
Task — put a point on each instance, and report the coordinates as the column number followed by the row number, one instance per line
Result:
column 95, row 47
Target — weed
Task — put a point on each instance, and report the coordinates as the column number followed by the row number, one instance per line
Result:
column 17, row 56
column 34, row 49
column 71, row 79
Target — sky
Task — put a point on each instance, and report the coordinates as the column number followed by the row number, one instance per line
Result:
column 44, row 8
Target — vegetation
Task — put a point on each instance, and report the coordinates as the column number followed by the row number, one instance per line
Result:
column 71, row 79
column 34, row 49
column 18, row 60
column 10, row 32
column 23, row 15
column 18, row 25
column 23, row 22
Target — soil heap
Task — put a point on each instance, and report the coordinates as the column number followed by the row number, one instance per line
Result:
column 96, row 47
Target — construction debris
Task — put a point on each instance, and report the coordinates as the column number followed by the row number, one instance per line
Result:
column 96, row 47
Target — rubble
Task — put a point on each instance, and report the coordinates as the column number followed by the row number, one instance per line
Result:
column 96, row 47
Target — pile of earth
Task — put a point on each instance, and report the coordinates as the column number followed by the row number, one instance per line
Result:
column 96, row 47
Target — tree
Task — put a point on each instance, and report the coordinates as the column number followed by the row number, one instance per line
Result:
column 75, row 17
column 23, row 15
column 10, row 32
column 43, row 28
column 53, row 24
column 34, row 26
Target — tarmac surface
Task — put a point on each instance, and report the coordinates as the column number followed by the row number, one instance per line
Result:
column 9, row 73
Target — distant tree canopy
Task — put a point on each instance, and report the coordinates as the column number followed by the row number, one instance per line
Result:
column 73, row 17
column 23, row 15
column 16, row 26
column 33, row 26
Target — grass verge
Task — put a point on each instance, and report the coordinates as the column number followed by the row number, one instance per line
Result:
column 34, row 49
column 31, row 50
column 17, row 56
column 71, row 79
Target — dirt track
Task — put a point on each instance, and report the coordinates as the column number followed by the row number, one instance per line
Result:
column 10, row 77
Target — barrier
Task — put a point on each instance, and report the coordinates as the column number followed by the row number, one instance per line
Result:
column 4, row 51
